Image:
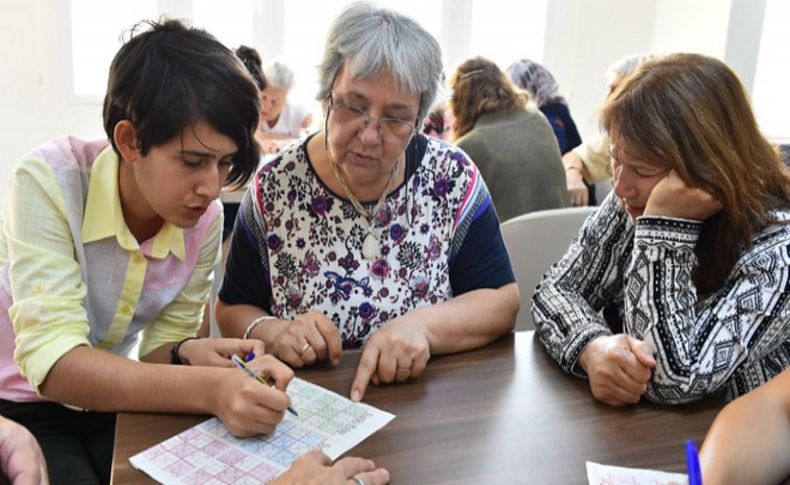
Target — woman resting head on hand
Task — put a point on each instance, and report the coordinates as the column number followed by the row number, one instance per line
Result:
column 692, row 250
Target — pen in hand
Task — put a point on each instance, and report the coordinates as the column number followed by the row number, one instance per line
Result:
column 241, row 365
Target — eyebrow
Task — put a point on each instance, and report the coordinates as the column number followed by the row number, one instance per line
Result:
column 198, row 153
column 359, row 96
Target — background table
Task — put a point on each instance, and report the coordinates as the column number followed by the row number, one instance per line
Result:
column 505, row 413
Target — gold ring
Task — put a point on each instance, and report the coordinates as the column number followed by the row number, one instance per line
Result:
column 304, row 349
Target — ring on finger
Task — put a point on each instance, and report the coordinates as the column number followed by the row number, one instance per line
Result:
column 404, row 370
column 358, row 481
column 304, row 349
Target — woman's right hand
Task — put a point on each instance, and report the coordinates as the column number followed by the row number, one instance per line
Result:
column 247, row 407
column 578, row 194
column 619, row 368
column 316, row 468
column 309, row 338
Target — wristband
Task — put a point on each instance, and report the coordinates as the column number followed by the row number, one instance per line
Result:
column 255, row 323
column 175, row 359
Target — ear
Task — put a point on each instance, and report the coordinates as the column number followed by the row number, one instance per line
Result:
column 125, row 137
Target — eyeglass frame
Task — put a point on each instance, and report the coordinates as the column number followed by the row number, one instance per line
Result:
column 367, row 119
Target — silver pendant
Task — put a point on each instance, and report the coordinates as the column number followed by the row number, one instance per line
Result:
column 370, row 247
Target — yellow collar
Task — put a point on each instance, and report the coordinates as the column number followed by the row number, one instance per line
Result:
column 104, row 216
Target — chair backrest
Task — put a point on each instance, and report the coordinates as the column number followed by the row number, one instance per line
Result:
column 535, row 241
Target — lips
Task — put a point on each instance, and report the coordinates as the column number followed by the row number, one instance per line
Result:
column 359, row 159
column 198, row 211
column 634, row 211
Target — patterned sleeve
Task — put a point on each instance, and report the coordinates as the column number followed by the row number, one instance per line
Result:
column 482, row 260
column 568, row 300
column 478, row 257
column 701, row 344
column 246, row 279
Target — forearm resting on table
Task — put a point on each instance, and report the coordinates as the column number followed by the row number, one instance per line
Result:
column 470, row 320
column 100, row 381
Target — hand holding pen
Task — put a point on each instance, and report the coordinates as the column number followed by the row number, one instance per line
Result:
column 244, row 406
column 241, row 365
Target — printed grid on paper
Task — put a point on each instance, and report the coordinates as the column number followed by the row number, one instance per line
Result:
column 209, row 454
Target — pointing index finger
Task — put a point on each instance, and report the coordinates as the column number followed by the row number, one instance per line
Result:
column 365, row 369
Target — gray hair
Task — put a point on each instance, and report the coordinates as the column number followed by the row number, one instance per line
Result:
column 369, row 40
column 538, row 81
column 278, row 74
column 626, row 65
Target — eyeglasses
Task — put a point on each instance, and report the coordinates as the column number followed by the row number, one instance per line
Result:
column 390, row 129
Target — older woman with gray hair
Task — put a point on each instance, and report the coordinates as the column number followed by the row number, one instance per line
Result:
column 589, row 162
column 543, row 89
column 370, row 234
column 283, row 119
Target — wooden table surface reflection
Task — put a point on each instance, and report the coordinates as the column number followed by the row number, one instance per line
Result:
column 505, row 413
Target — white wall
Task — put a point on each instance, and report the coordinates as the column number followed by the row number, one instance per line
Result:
column 699, row 26
column 35, row 91
column 583, row 38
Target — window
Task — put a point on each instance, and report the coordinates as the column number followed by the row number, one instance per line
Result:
column 97, row 27
column 230, row 22
column 772, row 77
column 306, row 25
column 508, row 30
column 503, row 30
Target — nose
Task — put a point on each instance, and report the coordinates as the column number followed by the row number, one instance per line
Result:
column 210, row 183
column 369, row 133
column 624, row 182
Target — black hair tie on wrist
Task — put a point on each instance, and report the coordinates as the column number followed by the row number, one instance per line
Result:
column 175, row 359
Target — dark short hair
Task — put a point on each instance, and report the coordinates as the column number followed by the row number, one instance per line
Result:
column 252, row 61
column 168, row 77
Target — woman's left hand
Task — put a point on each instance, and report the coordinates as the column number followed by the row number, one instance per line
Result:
column 398, row 351
column 671, row 197
column 216, row 352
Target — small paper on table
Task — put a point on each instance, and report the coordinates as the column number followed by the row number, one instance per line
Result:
column 208, row 452
column 598, row 474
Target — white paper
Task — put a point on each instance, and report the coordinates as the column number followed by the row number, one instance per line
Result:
column 209, row 453
column 598, row 474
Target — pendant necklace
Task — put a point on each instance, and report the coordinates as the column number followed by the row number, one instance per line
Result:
column 370, row 243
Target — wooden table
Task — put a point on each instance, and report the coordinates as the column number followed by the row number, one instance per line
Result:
column 505, row 413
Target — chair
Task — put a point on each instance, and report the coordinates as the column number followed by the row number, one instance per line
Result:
column 535, row 241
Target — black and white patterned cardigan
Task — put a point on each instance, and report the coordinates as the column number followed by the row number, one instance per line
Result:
column 726, row 343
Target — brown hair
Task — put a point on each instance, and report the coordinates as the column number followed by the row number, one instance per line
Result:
column 691, row 112
column 480, row 87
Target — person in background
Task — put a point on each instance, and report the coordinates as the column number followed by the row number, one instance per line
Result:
column 589, row 162
column 543, row 89
column 252, row 61
column 283, row 119
column 511, row 142
column 749, row 442
column 692, row 248
column 439, row 121
column 21, row 460
column 368, row 233
column 105, row 241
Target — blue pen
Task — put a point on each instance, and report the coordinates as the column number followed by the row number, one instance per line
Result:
column 240, row 364
column 692, row 464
